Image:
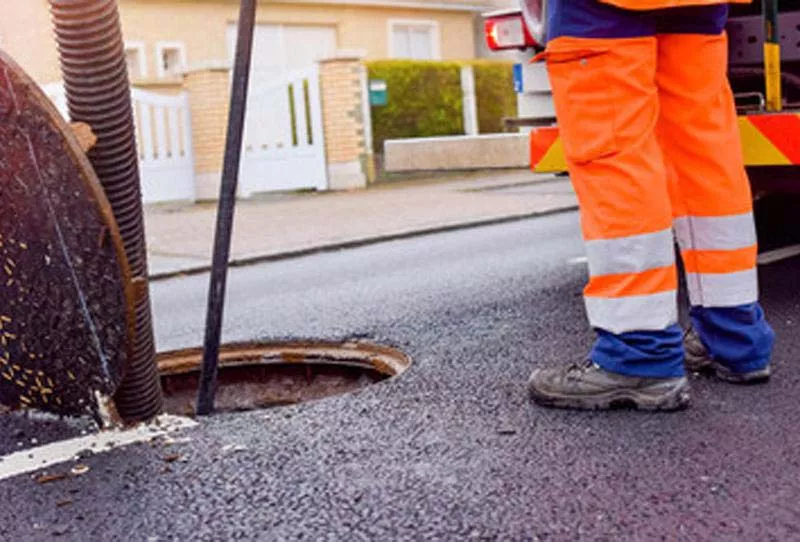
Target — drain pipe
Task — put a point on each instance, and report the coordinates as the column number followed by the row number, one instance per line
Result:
column 91, row 51
column 227, row 204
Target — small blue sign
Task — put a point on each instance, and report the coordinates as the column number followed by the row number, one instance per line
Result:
column 518, row 78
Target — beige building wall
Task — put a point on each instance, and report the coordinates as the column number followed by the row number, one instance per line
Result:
column 26, row 35
column 201, row 26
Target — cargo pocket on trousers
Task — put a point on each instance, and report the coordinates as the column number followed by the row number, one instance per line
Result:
column 581, row 81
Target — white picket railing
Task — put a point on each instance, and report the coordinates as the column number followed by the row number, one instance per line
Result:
column 164, row 140
column 164, row 136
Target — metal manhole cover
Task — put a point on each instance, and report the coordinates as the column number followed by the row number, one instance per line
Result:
column 65, row 294
column 253, row 376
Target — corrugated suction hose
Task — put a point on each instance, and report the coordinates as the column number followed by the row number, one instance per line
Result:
column 92, row 55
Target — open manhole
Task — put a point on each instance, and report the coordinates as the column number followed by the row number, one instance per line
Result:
column 265, row 375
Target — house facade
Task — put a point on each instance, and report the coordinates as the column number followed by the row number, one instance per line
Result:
column 186, row 47
column 166, row 37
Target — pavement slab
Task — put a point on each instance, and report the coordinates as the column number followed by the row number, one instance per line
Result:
column 288, row 225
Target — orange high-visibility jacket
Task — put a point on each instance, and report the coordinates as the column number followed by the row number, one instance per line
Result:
column 662, row 4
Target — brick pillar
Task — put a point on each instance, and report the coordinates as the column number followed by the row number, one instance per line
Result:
column 345, row 117
column 209, row 102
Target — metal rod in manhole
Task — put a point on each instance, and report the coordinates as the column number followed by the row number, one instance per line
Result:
column 227, row 204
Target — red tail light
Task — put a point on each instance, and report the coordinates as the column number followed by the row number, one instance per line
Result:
column 505, row 32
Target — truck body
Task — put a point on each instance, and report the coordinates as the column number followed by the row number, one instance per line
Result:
column 770, row 139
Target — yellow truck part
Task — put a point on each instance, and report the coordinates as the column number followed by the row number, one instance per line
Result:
column 768, row 139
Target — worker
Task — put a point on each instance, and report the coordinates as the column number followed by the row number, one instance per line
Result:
column 650, row 134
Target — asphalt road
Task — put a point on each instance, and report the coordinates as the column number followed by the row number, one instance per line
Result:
column 451, row 450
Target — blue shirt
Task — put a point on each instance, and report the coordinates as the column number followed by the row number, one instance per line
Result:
column 594, row 19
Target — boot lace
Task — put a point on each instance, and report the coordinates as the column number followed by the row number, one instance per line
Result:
column 576, row 370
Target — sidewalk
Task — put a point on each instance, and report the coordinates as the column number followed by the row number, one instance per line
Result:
column 280, row 226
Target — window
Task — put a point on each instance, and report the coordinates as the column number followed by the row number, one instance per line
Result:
column 135, row 59
column 170, row 59
column 418, row 40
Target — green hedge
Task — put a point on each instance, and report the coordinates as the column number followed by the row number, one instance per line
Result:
column 494, row 91
column 425, row 98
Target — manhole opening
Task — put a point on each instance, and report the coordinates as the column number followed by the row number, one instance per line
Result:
column 266, row 375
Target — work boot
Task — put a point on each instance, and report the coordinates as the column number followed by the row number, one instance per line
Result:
column 588, row 387
column 698, row 360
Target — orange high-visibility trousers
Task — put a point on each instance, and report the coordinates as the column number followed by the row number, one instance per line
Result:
column 651, row 139
column 710, row 193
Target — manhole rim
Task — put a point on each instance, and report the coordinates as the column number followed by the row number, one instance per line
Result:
column 386, row 360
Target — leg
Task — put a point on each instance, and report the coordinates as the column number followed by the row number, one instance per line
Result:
column 699, row 133
column 603, row 82
column 607, row 105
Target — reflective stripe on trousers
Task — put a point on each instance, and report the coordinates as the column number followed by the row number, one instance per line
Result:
column 632, row 285
column 633, row 282
column 719, row 253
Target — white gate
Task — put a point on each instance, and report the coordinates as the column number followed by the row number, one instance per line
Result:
column 164, row 139
column 164, row 135
column 284, row 145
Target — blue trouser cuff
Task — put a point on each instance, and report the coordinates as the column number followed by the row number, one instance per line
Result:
column 738, row 337
column 646, row 354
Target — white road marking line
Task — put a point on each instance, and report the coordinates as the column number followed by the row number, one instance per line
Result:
column 777, row 255
column 47, row 455
column 578, row 260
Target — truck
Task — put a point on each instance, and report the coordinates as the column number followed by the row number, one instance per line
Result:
column 764, row 72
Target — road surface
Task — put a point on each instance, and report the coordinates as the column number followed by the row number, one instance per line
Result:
column 453, row 449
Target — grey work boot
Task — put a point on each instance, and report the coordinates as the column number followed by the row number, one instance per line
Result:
column 698, row 360
column 588, row 387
